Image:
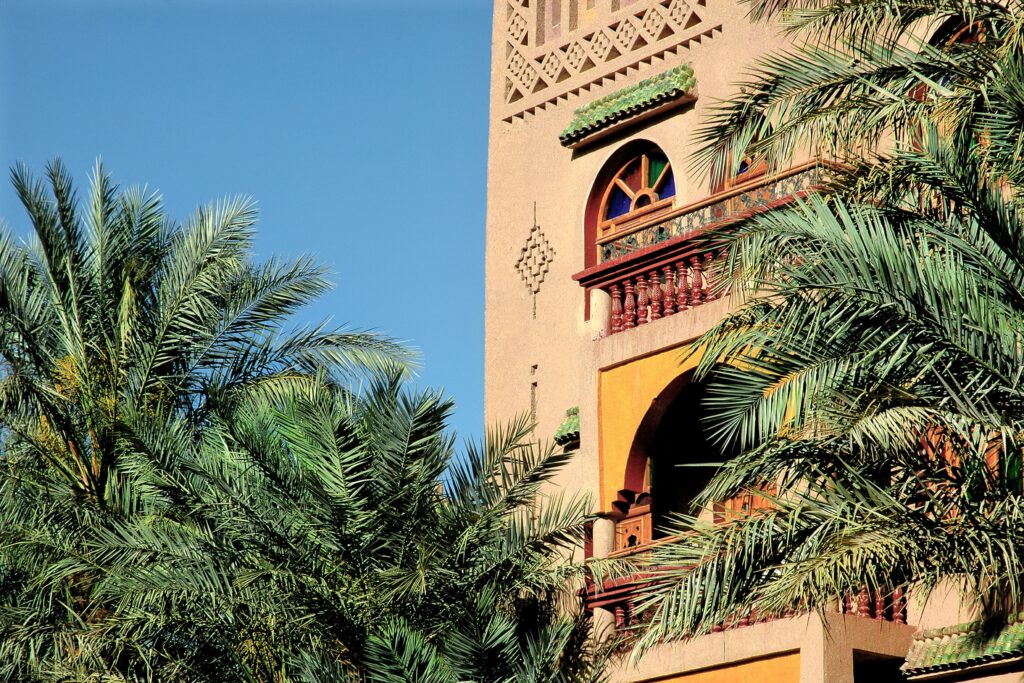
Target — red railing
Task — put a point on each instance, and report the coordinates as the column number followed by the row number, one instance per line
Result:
column 660, row 269
column 620, row 597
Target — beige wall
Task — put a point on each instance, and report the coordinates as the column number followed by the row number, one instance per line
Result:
column 528, row 167
column 532, row 177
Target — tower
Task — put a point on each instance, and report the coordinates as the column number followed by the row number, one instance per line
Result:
column 597, row 287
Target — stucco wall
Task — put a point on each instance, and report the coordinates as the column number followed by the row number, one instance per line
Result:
column 780, row 669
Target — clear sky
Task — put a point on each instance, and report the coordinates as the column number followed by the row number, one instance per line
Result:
column 360, row 126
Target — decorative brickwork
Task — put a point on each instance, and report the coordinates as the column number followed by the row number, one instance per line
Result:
column 534, row 261
column 537, row 75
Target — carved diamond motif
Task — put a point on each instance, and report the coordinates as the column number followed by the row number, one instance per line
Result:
column 517, row 26
column 600, row 44
column 653, row 23
column 626, row 34
column 535, row 259
column 575, row 55
column 551, row 66
column 678, row 11
column 516, row 64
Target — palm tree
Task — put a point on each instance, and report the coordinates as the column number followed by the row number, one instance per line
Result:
column 114, row 309
column 872, row 371
column 191, row 494
column 328, row 536
column 111, row 319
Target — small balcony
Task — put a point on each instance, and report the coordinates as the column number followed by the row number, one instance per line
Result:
column 622, row 595
column 656, row 269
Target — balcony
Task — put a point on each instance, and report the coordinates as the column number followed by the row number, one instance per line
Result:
column 621, row 595
column 655, row 269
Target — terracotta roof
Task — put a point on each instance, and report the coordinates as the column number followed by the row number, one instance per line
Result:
column 965, row 646
column 648, row 94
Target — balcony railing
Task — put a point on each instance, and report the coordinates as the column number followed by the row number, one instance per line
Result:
column 659, row 269
column 621, row 597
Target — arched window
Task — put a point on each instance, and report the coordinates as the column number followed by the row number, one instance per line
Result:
column 749, row 167
column 640, row 188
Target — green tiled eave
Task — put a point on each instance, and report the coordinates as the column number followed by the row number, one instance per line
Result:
column 569, row 430
column 965, row 646
column 648, row 94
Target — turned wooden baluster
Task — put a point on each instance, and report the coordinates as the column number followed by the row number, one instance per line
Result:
column 744, row 621
column 897, row 606
column 850, row 607
column 710, row 270
column 863, row 603
column 697, row 298
column 683, row 288
column 629, row 312
column 670, row 290
column 656, row 294
column 620, row 616
column 643, row 300
column 616, row 308
column 879, row 605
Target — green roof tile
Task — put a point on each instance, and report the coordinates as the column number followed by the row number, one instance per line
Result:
column 569, row 430
column 622, row 104
column 965, row 646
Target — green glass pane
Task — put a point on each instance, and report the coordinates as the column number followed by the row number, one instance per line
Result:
column 658, row 165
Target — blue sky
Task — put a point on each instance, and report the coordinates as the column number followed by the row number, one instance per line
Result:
column 360, row 126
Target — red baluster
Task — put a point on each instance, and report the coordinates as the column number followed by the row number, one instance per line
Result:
column 697, row 298
column 642, row 300
column 897, row 606
column 744, row 621
column 683, row 289
column 710, row 270
column 616, row 308
column 789, row 611
column 670, row 290
column 656, row 294
column 620, row 616
column 850, row 607
column 717, row 628
column 863, row 602
column 879, row 605
column 629, row 312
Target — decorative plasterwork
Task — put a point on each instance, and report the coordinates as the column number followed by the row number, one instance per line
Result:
column 537, row 75
column 534, row 261
column 654, row 93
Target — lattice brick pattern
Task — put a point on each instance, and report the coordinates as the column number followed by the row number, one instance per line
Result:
column 536, row 76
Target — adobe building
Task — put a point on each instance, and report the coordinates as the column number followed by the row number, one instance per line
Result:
column 595, row 290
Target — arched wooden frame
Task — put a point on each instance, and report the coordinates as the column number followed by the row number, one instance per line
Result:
column 645, row 202
column 750, row 168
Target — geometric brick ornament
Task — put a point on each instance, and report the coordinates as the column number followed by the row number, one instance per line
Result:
column 535, row 260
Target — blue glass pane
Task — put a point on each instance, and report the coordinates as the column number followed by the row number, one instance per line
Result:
column 744, row 167
column 668, row 188
column 618, row 204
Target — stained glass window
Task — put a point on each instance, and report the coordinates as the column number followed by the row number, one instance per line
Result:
column 645, row 181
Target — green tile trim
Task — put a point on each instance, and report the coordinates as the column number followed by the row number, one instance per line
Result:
column 647, row 94
column 569, row 430
column 965, row 646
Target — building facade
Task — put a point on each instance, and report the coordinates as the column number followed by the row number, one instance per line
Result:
column 595, row 291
